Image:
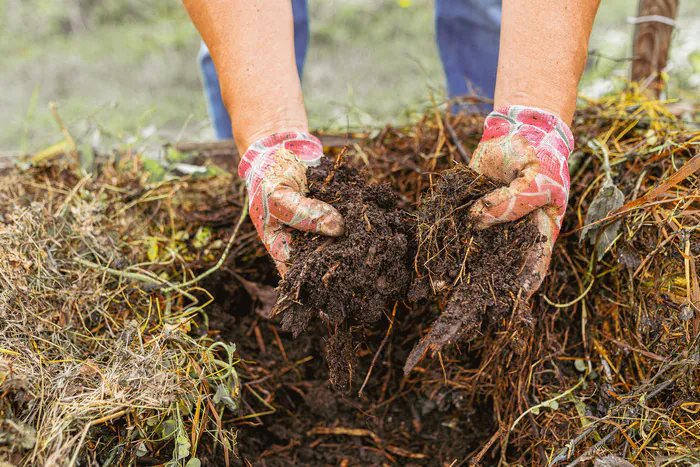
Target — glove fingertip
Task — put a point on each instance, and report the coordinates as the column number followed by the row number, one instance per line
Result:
column 332, row 224
column 484, row 221
column 282, row 268
column 481, row 216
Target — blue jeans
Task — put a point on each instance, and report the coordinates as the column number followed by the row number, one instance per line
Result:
column 467, row 37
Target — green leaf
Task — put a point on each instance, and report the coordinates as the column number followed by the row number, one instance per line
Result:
column 694, row 59
column 554, row 405
column 169, row 428
column 214, row 171
column 223, row 395
column 141, row 449
column 154, row 168
column 580, row 365
column 182, row 446
column 174, row 156
column 181, row 235
column 194, row 462
column 202, row 237
column 87, row 158
column 608, row 199
column 581, row 410
column 535, row 410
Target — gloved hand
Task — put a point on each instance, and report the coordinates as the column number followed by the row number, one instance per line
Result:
column 529, row 149
column 274, row 168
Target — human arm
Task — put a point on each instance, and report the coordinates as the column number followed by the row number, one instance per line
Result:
column 252, row 45
column 543, row 52
column 527, row 141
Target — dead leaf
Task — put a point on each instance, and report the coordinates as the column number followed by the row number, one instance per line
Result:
column 608, row 199
column 611, row 460
column 264, row 296
column 688, row 169
column 628, row 257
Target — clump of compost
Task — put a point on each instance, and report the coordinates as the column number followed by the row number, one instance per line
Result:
column 349, row 280
column 474, row 271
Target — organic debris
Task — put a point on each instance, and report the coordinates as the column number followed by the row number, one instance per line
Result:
column 610, row 369
column 613, row 361
column 98, row 322
column 475, row 271
column 347, row 281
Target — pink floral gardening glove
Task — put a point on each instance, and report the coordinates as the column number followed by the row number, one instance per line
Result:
column 274, row 169
column 529, row 149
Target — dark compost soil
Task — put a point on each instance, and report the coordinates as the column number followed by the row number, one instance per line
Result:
column 347, row 281
column 475, row 271
column 395, row 422
column 350, row 283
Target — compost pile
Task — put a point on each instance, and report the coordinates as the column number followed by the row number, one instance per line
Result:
column 350, row 280
column 123, row 292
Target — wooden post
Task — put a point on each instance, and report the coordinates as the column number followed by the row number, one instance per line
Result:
column 655, row 19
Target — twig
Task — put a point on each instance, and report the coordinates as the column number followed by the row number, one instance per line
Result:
column 134, row 276
column 645, row 353
column 381, row 346
column 89, row 425
column 476, row 460
column 594, row 448
column 455, row 139
column 570, row 445
column 572, row 302
column 322, row 430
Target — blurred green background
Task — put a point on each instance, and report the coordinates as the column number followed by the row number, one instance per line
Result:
column 118, row 68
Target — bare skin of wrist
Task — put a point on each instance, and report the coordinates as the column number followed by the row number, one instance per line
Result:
column 543, row 51
column 252, row 45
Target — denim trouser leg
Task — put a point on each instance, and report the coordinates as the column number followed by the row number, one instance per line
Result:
column 215, row 105
column 468, row 38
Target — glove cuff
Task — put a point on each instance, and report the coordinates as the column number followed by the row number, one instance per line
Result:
column 538, row 126
column 306, row 147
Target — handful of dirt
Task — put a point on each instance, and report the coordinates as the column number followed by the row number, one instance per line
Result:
column 476, row 271
column 347, row 281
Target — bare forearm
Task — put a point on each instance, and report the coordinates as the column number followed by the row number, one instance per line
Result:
column 252, row 45
column 543, row 51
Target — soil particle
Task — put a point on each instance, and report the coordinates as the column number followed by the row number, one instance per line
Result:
column 347, row 281
column 401, row 414
column 475, row 271
column 322, row 402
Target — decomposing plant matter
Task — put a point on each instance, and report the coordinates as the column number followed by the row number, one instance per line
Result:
column 610, row 368
column 348, row 280
column 476, row 272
